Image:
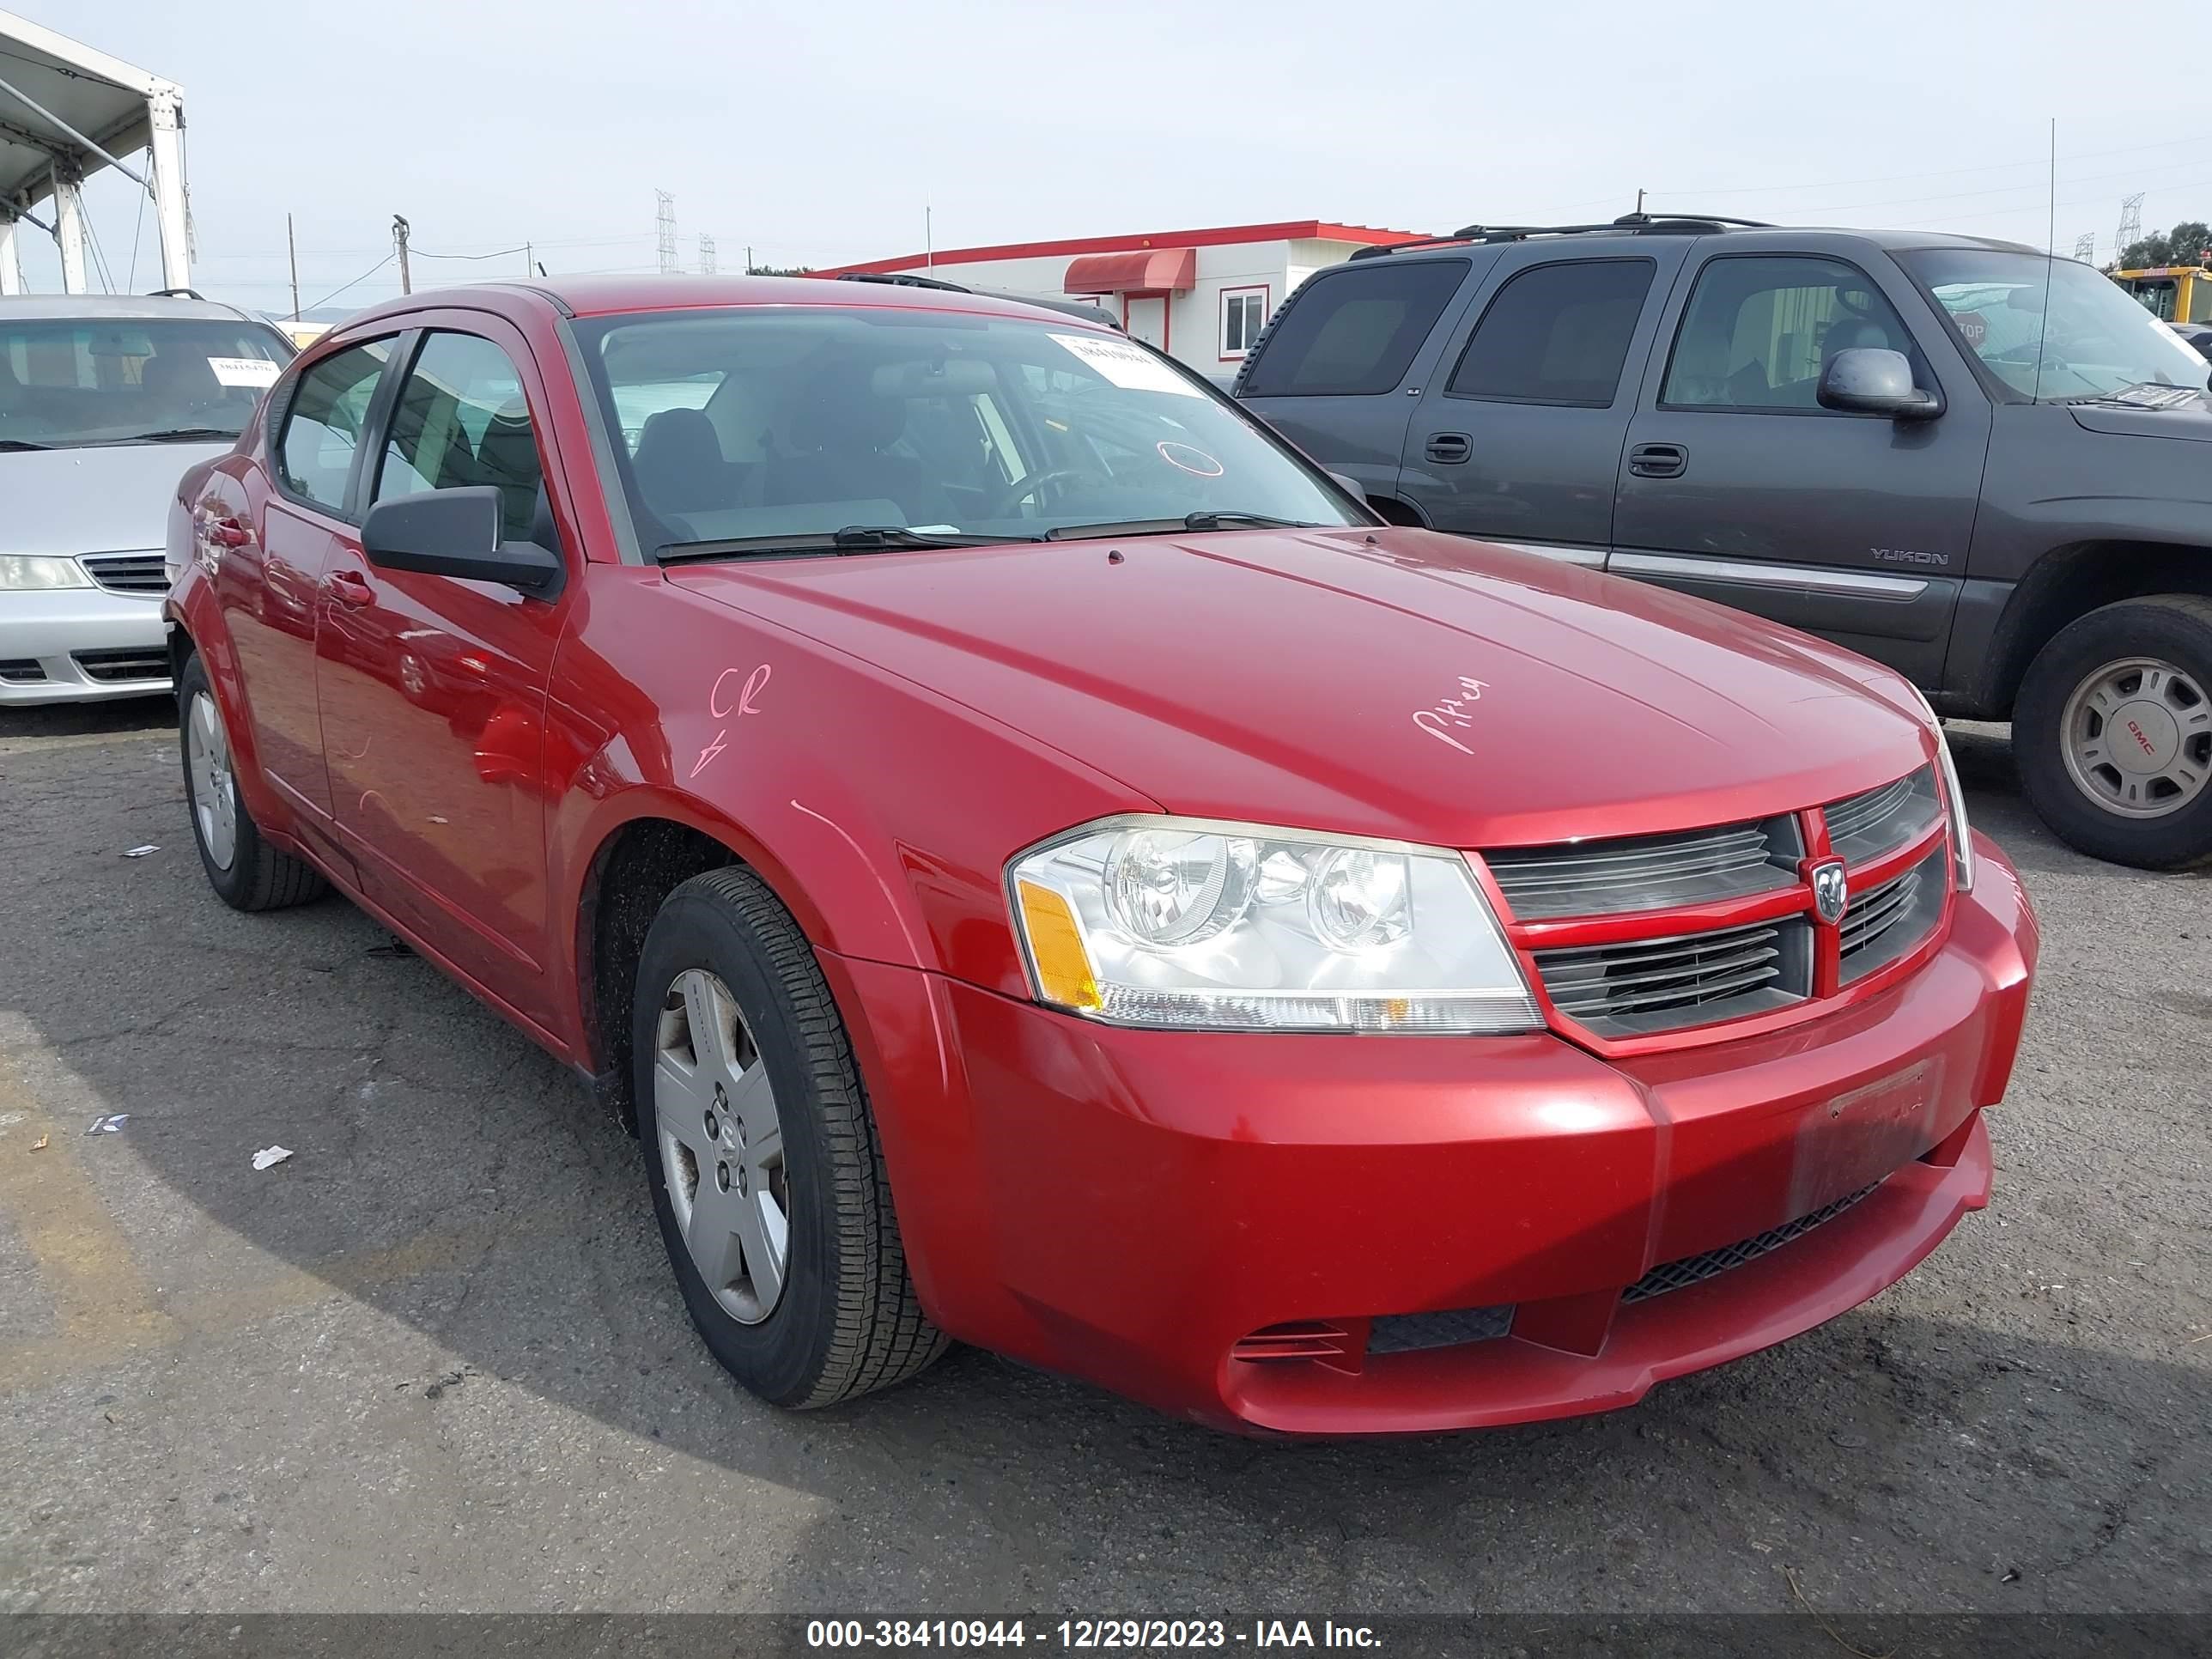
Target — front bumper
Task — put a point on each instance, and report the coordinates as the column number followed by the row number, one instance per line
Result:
column 79, row 645
column 1133, row 1206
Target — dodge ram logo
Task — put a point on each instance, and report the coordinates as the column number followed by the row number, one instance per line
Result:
column 1830, row 892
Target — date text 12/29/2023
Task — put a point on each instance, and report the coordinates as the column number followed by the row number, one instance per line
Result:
column 1074, row 1635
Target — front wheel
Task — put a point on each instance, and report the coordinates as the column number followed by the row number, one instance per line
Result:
column 245, row 871
column 2112, row 731
column 760, row 1154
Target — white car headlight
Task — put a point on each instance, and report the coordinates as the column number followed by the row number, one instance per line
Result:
column 29, row 570
column 1195, row 924
column 1954, row 805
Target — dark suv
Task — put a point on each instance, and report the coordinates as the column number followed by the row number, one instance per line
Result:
column 1982, row 466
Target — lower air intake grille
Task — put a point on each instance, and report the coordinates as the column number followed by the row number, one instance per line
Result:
column 20, row 671
column 1662, row 984
column 124, row 663
column 1696, row 1269
column 1412, row 1332
column 1647, row 872
column 143, row 574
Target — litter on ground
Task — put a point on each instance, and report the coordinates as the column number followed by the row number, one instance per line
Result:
column 269, row 1156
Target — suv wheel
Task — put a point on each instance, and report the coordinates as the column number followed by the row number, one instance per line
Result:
column 245, row 871
column 2112, row 731
column 760, row 1154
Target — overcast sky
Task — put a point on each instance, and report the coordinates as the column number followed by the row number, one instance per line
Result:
column 816, row 133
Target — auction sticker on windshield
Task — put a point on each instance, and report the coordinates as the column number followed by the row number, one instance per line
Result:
column 244, row 371
column 1126, row 365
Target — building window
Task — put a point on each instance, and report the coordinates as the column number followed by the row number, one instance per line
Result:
column 1243, row 314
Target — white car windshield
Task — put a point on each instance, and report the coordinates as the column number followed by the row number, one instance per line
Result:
column 69, row 383
column 775, row 424
column 2090, row 340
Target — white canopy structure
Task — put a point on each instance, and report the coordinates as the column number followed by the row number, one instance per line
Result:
column 67, row 110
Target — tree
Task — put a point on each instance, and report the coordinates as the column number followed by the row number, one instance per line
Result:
column 2184, row 244
column 808, row 271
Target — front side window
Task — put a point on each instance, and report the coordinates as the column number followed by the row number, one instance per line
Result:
column 323, row 424
column 77, row 383
column 1556, row 334
column 826, row 418
column 1759, row 332
column 2052, row 329
column 462, row 420
column 1243, row 314
column 1354, row 331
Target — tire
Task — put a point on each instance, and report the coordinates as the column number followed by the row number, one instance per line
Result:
column 246, row 872
column 2113, row 802
column 725, row 956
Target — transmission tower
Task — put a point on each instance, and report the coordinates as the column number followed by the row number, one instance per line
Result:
column 706, row 256
column 2130, row 224
column 665, row 227
column 2085, row 247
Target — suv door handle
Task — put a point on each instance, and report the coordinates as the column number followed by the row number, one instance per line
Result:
column 350, row 588
column 1658, row 461
column 1447, row 449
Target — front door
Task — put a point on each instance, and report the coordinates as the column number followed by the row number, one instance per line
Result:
column 1738, row 486
column 433, row 689
column 1146, row 317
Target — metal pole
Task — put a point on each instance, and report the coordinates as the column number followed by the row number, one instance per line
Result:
column 292, row 247
column 529, row 263
column 11, row 268
column 165, row 117
column 928, row 241
column 69, row 226
column 38, row 108
column 399, row 240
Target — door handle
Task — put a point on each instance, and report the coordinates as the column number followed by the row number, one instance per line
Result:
column 1447, row 449
column 1658, row 461
column 350, row 588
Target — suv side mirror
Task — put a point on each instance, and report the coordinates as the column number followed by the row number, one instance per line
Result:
column 1875, row 380
column 1350, row 486
column 457, row 532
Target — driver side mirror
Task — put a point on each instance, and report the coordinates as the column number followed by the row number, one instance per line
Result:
column 458, row 533
column 1350, row 486
column 1875, row 380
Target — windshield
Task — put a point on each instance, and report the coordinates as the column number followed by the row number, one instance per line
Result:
column 759, row 424
column 2096, row 340
column 66, row 383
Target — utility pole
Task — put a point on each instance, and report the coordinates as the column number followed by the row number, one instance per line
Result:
column 2085, row 247
column 529, row 260
column 749, row 258
column 2131, row 230
column 399, row 241
column 706, row 256
column 664, row 231
column 292, row 247
column 928, row 241
column 1639, row 200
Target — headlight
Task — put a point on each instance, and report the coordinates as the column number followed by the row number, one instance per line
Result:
column 26, row 571
column 1955, row 805
column 1194, row 924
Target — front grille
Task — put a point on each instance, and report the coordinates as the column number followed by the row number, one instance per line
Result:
column 20, row 671
column 1878, row 821
column 1697, row 1269
column 1660, row 984
column 1453, row 1328
column 123, row 662
column 145, row 575
column 1647, row 872
column 1885, row 922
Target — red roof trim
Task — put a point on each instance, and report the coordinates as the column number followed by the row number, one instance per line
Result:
column 1300, row 230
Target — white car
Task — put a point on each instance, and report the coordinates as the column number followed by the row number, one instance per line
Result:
column 104, row 403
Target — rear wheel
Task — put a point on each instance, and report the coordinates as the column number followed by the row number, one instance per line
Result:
column 245, row 871
column 2112, row 731
column 762, row 1156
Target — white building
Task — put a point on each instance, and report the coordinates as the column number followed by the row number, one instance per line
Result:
column 1202, row 295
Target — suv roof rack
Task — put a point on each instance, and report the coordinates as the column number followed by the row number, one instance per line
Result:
column 176, row 294
column 1633, row 224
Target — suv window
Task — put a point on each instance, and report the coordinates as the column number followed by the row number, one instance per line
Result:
column 1758, row 331
column 1556, row 334
column 1355, row 330
column 461, row 420
column 324, row 422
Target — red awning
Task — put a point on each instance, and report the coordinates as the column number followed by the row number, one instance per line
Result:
column 1167, row 270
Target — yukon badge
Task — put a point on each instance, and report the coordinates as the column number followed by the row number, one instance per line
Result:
column 1830, row 892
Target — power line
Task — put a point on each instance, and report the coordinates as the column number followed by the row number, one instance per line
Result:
column 1941, row 172
column 358, row 281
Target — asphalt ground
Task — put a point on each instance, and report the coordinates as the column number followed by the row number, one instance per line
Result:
column 436, row 1362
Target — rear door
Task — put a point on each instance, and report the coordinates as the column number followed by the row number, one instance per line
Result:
column 1339, row 371
column 1738, row 486
column 1518, row 439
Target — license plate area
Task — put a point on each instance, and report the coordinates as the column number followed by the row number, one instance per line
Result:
column 1856, row 1138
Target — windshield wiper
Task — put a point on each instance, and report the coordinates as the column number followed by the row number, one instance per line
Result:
column 11, row 444
column 1202, row 519
column 853, row 539
column 173, row 435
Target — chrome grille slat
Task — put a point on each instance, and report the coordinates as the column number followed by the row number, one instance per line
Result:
column 145, row 574
column 1878, row 821
column 1647, row 872
column 1645, row 985
column 1568, row 958
column 1569, row 978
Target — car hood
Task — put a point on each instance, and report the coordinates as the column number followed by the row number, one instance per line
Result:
column 1398, row 683
column 2190, row 418
column 114, row 498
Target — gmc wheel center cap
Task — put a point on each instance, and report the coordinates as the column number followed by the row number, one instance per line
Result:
column 2143, row 736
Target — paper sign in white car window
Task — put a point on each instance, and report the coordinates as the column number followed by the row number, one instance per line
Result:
column 244, row 371
column 1126, row 365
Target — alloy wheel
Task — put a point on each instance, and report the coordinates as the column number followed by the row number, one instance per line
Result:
column 2137, row 735
column 214, row 799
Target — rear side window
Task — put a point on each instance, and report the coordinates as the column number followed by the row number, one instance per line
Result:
column 1354, row 331
column 1556, row 334
column 323, row 425
column 461, row 420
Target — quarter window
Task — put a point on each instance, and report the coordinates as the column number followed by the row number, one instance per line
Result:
column 461, row 419
column 1243, row 314
column 323, row 425
column 1354, row 331
column 1759, row 332
column 1556, row 334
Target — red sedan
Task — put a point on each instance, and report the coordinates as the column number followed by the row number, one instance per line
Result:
column 1034, row 862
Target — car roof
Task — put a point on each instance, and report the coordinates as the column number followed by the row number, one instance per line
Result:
column 1739, row 238
column 120, row 307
